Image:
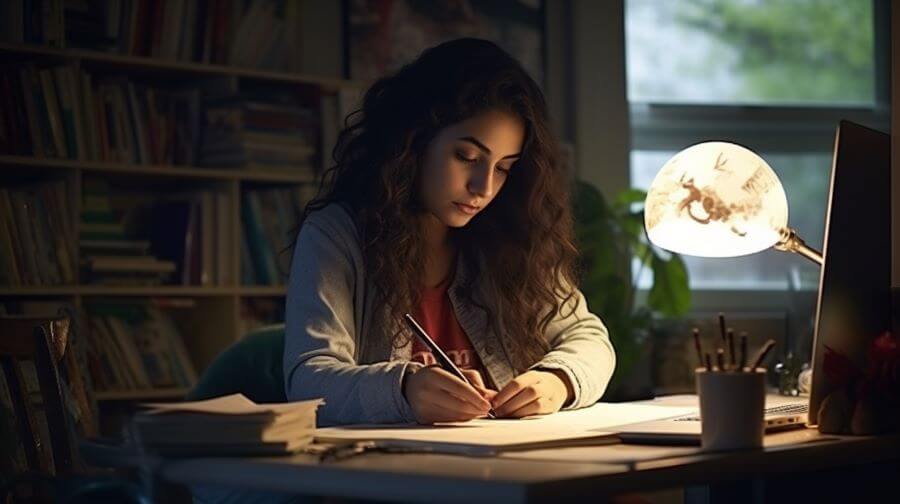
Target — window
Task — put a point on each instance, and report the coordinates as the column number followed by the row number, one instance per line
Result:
column 773, row 75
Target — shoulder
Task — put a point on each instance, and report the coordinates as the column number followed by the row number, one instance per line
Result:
column 331, row 227
column 334, row 220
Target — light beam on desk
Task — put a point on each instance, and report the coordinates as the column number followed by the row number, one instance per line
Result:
column 718, row 199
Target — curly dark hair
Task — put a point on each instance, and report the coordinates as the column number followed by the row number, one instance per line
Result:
column 531, row 268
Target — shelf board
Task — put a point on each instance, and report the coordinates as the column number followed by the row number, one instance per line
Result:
column 130, row 395
column 262, row 290
column 54, row 290
column 159, row 290
column 172, row 66
column 109, row 290
column 158, row 170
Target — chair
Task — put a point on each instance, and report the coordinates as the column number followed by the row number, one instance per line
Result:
column 252, row 366
column 32, row 349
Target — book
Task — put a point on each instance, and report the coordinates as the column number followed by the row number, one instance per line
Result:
column 137, row 345
column 229, row 424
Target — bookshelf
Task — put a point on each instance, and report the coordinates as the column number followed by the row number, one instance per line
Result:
column 214, row 319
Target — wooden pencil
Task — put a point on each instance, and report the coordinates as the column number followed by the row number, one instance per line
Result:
column 697, row 346
column 743, row 351
column 731, row 355
column 762, row 354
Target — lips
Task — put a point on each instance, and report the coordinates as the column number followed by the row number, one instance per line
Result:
column 467, row 209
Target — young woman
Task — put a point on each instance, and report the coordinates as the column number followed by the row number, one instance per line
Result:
column 447, row 201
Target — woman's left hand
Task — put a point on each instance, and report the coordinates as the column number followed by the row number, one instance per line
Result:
column 533, row 393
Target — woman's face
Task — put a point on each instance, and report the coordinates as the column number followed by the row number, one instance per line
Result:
column 467, row 163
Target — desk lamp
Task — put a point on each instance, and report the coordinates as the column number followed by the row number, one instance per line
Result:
column 718, row 199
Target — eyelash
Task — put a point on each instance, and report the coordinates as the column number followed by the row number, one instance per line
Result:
column 464, row 159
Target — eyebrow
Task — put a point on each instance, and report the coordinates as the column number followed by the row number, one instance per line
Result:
column 484, row 148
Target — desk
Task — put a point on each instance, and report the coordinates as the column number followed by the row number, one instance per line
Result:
column 574, row 473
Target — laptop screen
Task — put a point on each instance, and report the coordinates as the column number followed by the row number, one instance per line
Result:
column 853, row 305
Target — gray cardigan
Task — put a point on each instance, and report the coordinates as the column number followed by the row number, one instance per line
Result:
column 334, row 348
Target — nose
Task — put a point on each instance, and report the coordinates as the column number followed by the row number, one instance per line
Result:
column 481, row 181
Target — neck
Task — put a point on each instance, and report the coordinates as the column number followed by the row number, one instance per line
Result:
column 439, row 250
column 436, row 234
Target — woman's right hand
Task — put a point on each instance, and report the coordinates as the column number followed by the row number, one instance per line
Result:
column 437, row 396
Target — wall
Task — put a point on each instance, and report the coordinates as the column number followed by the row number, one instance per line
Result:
column 600, row 117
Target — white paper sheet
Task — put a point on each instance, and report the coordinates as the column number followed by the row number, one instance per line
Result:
column 486, row 435
column 234, row 404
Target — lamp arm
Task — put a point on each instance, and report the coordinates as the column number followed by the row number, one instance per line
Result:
column 791, row 242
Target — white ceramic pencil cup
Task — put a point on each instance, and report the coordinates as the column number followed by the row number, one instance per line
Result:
column 731, row 408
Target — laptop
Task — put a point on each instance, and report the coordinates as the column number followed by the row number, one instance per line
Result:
column 853, row 304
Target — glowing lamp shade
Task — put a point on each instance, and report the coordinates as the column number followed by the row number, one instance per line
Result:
column 716, row 199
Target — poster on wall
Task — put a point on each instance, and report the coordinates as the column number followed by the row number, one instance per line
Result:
column 383, row 35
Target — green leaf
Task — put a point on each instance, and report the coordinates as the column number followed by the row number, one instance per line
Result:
column 589, row 204
column 670, row 293
column 643, row 252
column 625, row 199
column 633, row 226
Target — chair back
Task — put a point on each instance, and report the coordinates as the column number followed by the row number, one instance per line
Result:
column 252, row 366
column 31, row 349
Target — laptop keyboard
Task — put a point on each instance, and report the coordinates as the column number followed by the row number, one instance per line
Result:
column 784, row 409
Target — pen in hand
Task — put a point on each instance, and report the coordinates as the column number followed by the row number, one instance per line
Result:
column 443, row 360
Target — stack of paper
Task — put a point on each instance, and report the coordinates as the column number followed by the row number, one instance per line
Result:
column 226, row 425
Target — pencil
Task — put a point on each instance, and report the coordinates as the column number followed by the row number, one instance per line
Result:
column 722, row 325
column 762, row 354
column 708, row 363
column 697, row 346
column 720, row 359
column 731, row 356
column 743, row 350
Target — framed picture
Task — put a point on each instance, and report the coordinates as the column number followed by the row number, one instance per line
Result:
column 383, row 35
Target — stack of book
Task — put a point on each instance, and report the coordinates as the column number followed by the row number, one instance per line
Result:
column 108, row 255
column 193, row 230
column 228, row 425
column 254, row 133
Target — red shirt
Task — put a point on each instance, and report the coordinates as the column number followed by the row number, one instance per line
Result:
column 435, row 314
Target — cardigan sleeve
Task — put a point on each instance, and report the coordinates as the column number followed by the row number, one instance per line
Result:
column 321, row 342
column 580, row 348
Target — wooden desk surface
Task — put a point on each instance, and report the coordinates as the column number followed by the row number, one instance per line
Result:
column 535, row 475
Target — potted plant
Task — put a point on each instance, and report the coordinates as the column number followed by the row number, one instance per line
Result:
column 610, row 237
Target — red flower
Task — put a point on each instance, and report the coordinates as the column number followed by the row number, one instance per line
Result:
column 883, row 374
column 885, row 348
column 839, row 370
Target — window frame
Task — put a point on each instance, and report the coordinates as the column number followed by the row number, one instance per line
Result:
column 789, row 129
